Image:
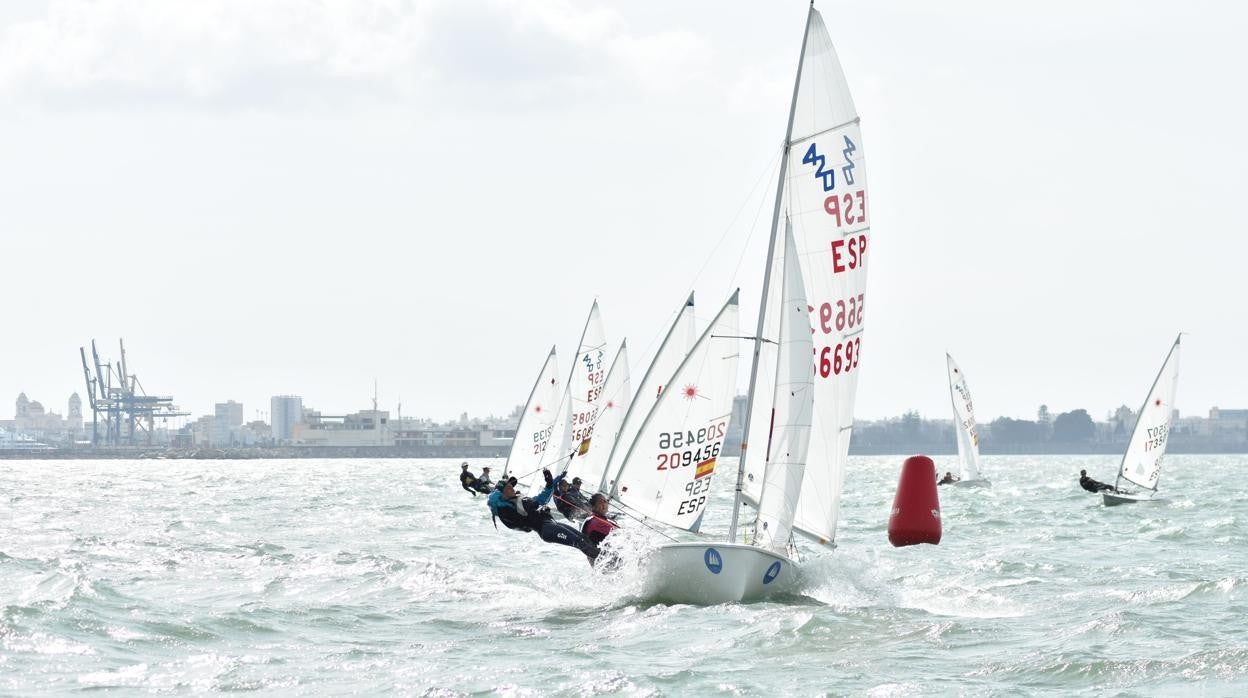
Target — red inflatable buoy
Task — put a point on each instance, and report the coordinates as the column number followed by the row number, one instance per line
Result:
column 916, row 509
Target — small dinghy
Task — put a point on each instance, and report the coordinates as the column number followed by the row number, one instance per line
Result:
column 1141, row 464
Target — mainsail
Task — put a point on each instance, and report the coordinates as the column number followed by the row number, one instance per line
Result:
column 612, row 404
column 676, row 344
column 964, row 421
column 537, row 422
column 1141, row 464
column 823, row 187
column 667, row 472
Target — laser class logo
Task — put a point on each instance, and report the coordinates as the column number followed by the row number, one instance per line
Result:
column 713, row 561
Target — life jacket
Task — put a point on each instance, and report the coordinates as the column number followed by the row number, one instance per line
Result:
column 506, row 511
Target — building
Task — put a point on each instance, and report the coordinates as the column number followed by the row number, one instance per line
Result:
column 33, row 420
column 227, row 424
column 285, row 411
column 363, row 428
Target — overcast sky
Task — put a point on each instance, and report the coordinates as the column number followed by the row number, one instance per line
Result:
column 284, row 196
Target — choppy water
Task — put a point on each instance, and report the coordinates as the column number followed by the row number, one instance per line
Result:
column 320, row 577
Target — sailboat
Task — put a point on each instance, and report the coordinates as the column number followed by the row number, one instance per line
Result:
column 964, row 426
column 537, row 421
column 612, row 405
column 576, row 409
column 804, row 367
column 1141, row 464
column 677, row 343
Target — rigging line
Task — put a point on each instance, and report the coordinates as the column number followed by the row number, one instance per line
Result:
column 623, row 509
column 762, row 202
column 727, row 229
column 772, row 163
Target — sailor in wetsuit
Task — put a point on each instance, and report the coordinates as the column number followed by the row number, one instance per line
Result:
column 483, row 484
column 948, row 479
column 1091, row 485
column 580, row 506
column 467, row 479
column 597, row 527
column 531, row 514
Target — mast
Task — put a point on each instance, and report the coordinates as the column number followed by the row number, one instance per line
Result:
column 762, row 305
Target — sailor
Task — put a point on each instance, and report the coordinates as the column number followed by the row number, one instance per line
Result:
column 597, row 527
column 580, row 506
column 563, row 503
column 529, row 514
column 948, row 479
column 467, row 479
column 1091, row 485
column 483, row 484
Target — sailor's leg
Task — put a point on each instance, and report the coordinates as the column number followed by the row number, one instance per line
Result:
column 563, row 534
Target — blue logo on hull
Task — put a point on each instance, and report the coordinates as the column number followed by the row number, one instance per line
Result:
column 713, row 561
column 772, row 572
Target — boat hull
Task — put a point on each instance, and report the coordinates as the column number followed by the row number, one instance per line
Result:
column 1113, row 499
column 716, row 573
column 977, row 482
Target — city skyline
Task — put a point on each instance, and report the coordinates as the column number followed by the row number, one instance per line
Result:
column 436, row 211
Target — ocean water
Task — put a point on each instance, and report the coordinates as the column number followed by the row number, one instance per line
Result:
column 319, row 577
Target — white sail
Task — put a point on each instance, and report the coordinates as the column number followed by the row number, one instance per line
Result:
column 616, row 395
column 578, row 406
column 793, row 405
column 672, row 350
column 537, row 422
column 668, row 469
column 1141, row 464
column 825, row 194
column 824, row 190
column 964, row 421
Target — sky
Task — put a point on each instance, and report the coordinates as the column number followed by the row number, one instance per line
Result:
column 278, row 196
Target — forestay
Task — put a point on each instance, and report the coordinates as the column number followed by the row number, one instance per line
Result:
column 1141, row 464
column 793, row 404
column 964, row 421
column 613, row 403
column 537, row 422
column 672, row 350
column 668, row 469
column 825, row 193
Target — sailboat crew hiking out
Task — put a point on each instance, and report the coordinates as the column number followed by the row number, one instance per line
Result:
column 530, row 514
column 1091, row 485
column 471, row 483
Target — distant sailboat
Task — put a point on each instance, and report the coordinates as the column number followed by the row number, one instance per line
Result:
column 575, row 410
column 612, row 404
column 964, row 426
column 1141, row 464
column 537, row 422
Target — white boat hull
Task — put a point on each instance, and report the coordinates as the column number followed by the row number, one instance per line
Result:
column 716, row 573
column 977, row 482
column 1115, row 498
